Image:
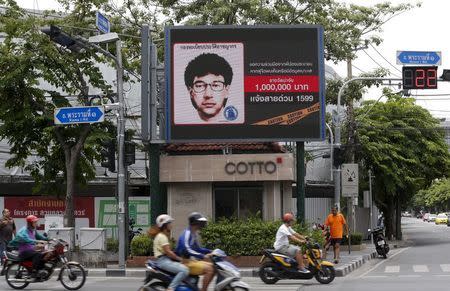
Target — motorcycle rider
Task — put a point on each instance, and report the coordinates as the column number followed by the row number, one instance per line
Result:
column 165, row 257
column 188, row 247
column 285, row 234
column 27, row 239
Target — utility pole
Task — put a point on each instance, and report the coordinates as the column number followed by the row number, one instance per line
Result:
column 121, row 171
column 300, row 195
column 370, row 204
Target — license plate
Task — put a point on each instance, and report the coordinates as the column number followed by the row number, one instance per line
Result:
column 381, row 242
column 262, row 259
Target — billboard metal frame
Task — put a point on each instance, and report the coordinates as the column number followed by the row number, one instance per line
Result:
column 321, row 74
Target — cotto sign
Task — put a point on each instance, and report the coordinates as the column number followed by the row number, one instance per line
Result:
column 258, row 167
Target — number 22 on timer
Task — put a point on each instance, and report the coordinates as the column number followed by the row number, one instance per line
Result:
column 421, row 78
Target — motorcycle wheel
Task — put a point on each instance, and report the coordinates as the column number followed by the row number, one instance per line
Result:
column 15, row 271
column 157, row 286
column 381, row 252
column 265, row 277
column 326, row 275
column 69, row 275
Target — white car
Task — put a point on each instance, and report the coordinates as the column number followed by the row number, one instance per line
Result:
column 432, row 218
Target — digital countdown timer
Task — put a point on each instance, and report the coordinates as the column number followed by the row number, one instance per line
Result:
column 424, row 77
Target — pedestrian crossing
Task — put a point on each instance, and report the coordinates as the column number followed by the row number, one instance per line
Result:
column 410, row 271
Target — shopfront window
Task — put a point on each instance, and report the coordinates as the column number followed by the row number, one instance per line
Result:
column 238, row 202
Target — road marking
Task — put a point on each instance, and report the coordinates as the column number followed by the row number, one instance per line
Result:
column 441, row 276
column 376, row 276
column 420, row 269
column 392, row 269
column 445, row 268
column 409, row 276
column 382, row 262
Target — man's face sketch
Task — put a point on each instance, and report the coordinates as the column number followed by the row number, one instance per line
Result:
column 209, row 95
column 208, row 78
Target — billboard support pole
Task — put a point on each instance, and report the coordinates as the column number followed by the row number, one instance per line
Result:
column 300, row 195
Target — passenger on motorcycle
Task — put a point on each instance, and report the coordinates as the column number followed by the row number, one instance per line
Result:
column 284, row 234
column 26, row 240
column 166, row 259
column 189, row 248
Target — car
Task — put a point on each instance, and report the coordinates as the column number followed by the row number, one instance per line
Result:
column 425, row 216
column 432, row 217
column 406, row 214
column 442, row 218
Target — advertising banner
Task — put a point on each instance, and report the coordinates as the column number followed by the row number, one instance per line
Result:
column 262, row 83
column 42, row 206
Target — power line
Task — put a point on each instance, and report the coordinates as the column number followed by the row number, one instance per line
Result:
column 395, row 75
column 385, row 58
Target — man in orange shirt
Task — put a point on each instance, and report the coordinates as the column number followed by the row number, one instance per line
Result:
column 336, row 222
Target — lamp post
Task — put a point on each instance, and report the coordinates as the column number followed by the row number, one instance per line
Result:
column 76, row 44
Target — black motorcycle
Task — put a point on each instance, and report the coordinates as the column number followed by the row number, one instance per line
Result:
column 276, row 266
column 381, row 246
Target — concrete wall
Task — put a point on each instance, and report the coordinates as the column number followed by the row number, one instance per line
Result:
column 184, row 198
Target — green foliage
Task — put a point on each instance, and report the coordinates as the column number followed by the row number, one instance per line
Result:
column 247, row 237
column 142, row 245
column 112, row 245
column 355, row 239
column 405, row 148
column 437, row 196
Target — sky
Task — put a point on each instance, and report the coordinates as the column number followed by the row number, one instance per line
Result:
column 420, row 29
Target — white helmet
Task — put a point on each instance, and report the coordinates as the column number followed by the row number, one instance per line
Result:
column 163, row 219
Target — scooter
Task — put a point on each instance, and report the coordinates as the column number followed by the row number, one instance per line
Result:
column 228, row 277
column 276, row 266
column 381, row 246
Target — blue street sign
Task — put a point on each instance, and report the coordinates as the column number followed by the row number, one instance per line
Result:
column 74, row 115
column 419, row 58
column 102, row 22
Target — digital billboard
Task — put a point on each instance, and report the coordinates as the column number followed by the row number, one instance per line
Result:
column 236, row 83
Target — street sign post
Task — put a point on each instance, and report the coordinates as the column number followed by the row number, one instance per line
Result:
column 349, row 180
column 419, row 58
column 102, row 22
column 75, row 115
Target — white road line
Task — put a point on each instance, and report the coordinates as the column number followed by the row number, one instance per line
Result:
column 392, row 269
column 409, row 276
column 441, row 276
column 445, row 268
column 375, row 276
column 382, row 262
column 420, row 269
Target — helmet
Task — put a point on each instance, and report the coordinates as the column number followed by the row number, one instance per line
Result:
column 31, row 218
column 196, row 218
column 288, row 217
column 163, row 219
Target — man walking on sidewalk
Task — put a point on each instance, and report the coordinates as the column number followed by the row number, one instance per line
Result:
column 336, row 222
column 7, row 230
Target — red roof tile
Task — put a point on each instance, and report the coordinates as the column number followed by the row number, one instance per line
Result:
column 267, row 147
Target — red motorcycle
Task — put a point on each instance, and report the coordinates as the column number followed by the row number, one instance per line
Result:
column 18, row 272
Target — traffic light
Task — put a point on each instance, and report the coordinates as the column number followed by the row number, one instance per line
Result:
column 130, row 153
column 130, row 149
column 108, row 154
column 338, row 157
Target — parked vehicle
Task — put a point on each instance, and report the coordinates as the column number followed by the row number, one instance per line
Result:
column 131, row 232
column 406, row 214
column 442, row 218
column 18, row 272
column 432, row 218
column 276, row 266
column 381, row 246
column 228, row 276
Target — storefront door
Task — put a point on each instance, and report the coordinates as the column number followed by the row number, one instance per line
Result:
column 238, row 202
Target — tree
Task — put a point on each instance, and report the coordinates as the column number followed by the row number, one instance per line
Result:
column 38, row 77
column 436, row 197
column 405, row 149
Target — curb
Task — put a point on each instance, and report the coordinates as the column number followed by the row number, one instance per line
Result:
column 346, row 269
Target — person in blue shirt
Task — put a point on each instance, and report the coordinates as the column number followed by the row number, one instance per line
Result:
column 26, row 240
column 188, row 247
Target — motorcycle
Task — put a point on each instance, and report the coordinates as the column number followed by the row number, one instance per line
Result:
column 276, row 266
column 132, row 233
column 228, row 276
column 18, row 272
column 381, row 246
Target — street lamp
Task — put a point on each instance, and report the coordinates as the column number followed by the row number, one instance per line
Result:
column 76, row 44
